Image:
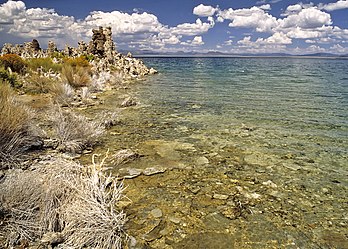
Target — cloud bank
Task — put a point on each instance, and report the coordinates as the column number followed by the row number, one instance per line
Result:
column 308, row 23
column 139, row 29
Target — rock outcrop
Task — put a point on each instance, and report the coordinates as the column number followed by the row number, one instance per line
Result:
column 52, row 47
column 102, row 48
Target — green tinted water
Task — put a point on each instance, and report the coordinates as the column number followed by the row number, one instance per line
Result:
column 255, row 152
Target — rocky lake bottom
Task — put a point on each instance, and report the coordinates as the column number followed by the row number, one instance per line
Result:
column 195, row 185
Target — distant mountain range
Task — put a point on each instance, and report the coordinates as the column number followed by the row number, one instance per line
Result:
column 149, row 53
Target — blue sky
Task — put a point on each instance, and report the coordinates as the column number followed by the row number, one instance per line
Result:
column 233, row 26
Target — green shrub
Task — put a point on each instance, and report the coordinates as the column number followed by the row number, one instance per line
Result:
column 44, row 63
column 14, row 62
column 58, row 55
column 9, row 78
column 77, row 62
column 89, row 57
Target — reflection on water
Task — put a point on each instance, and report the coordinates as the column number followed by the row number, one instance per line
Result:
column 255, row 151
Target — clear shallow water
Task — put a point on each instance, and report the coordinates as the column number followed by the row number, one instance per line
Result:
column 292, row 106
column 269, row 134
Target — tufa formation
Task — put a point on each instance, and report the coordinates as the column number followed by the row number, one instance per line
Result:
column 102, row 48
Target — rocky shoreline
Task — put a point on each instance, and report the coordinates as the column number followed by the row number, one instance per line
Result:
column 53, row 211
column 204, row 194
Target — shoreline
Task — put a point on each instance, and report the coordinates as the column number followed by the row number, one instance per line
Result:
column 46, row 194
column 242, row 56
column 185, row 195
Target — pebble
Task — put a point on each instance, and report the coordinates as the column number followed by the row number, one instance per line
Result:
column 175, row 220
column 194, row 189
column 156, row 213
column 202, row 160
column 270, row 184
column 220, row 197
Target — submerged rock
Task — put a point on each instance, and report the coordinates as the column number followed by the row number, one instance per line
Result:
column 156, row 213
column 130, row 173
column 202, row 160
column 129, row 102
column 155, row 232
column 123, row 156
column 154, row 170
column 220, row 196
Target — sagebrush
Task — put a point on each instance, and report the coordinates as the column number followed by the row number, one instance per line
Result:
column 74, row 131
column 65, row 198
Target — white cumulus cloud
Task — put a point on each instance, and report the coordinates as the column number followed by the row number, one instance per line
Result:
column 196, row 41
column 306, row 18
column 254, row 17
column 341, row 4
column 190, row 29
column 204, row 10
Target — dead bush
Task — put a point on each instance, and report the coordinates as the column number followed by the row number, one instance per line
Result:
column 73, row 131
column 92, row 219
column 62, row 198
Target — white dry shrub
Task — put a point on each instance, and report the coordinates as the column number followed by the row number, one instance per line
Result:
column 105, row 80
column 74, row 131
column 91, row 218
column 99, row 81
column 62, row 93
column 117, row 78
column 61, row 197
column 85, row 93
column 108, row 119
column 20, row 196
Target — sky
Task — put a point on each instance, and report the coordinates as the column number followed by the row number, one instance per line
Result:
column 230, row 26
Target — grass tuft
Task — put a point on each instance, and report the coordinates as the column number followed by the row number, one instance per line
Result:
column 17, row 133
column 7, row 77
column 36, row 83
column 76, row 76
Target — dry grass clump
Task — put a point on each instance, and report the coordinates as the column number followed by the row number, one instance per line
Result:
column 21, row 197
column 66, row 200
column 73, row 131
column 37, row 83
column 17, row 133
column 76, row 76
